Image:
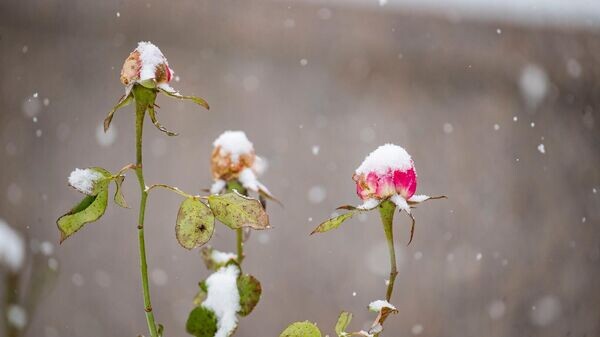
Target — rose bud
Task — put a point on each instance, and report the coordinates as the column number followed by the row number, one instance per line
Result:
column 232, row 158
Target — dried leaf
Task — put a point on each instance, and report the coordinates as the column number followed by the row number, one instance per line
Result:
column 197, row 100
column 119, row 198
column 123, row 101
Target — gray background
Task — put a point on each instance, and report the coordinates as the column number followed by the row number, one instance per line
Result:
column 433, row 82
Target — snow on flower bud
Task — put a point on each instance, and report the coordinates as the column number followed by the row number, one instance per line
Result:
column 146, row 62
column 233, row 157
column 387, row 172
column 85, row 180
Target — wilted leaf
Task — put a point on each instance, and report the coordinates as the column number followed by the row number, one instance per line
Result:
column 301, row 329
column 342, row 323
column 195, row 224
column 90, row 209
column 250, row 290
column 333, row 223
column 124, row 101
column 119, row 198
column 202, row 322
column 197, row 100
column 159, row 126
column 237, row 211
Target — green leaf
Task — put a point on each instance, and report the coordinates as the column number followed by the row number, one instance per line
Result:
column 333, row 223
column 159, row 126
column 250, row 290
column 202, row 322
column 197, row 100
column 161, row 329
column 237, row 211
column 119, row 198
column 342, row 323
column 202, row 293
column 301, row 329
column 123, row 101
column 195, row 224
column 90, row 209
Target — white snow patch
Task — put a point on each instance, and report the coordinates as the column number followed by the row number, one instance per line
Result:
column 17, row 316
column 217, row 186
column 260, row 165
column 248, row 179
column 376, row 306
column 223, row 298
column 315, row 149
column 151, row 57
column 369, row 204
column 12, row 247
column 418, row 198
column 83, row 180
column 541, row 148
column 496, row 309
column 234, row 143
column 222, row 257
column 400, row 202
column 317, row 194
column 384, row 158
column 46, row 248
column 107, row 138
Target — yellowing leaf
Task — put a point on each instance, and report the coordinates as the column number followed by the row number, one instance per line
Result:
column 342, row 323
column 237, row 211
column 90, row 209
column 301, row 329
column 195, row 224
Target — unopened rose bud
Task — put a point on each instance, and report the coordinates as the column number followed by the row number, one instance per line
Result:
column 146, row 62
column 233, row 157
column 386, row 172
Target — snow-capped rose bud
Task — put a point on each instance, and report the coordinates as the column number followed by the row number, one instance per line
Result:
column 146, row 62
column 387, row 172
column 86, row 180
column 233, row 157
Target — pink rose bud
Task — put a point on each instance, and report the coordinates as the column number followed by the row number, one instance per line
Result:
column 146, row 62
column 386, row 172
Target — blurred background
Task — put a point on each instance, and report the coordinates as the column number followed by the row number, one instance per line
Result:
column 497, row 102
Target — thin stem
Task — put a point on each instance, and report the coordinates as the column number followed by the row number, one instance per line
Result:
column 141, row 105
column 386, row 211
column 235, row 185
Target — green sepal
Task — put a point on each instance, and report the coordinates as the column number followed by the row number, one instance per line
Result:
column 152, row 113
column 342, row 323
column 250, row 290
column 333, row 223
column 237, row 211
column 123, row 101
column 301, row 329
column 202, row 322
column 195, row 223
